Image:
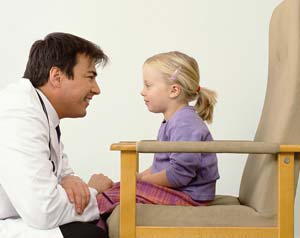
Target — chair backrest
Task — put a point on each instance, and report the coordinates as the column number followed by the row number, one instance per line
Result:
column 280, row 119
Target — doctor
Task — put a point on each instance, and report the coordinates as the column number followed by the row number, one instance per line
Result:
column 40, row 196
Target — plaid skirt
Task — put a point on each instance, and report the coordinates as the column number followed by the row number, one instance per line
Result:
column 146, row 193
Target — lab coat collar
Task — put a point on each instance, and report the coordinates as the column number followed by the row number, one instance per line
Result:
column 52, row 114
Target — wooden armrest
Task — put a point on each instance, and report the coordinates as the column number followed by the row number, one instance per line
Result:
column 241, row 147
column 129, row 166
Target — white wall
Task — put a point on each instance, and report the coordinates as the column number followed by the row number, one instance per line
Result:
column 228, row 38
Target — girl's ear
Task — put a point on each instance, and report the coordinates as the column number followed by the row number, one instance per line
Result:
column 55, row 77
column 175, row 90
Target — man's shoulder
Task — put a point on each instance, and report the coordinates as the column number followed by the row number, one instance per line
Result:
column 20, row 111
column 21, row 85
column 18, row 94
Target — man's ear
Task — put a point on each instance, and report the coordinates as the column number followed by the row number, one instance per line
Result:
column 55, row 77
column 175, row 91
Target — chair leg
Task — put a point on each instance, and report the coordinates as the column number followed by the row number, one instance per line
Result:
column 286, row 195
column 127, row 194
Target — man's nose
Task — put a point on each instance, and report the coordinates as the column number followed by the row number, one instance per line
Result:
column 96, row 89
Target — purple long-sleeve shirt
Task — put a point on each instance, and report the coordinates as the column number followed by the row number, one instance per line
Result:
column 192, row 173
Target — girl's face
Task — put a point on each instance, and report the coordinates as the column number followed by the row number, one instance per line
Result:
column 156, row 91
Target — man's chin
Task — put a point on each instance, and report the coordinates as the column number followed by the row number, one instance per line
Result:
column 78, row 115
column 83, row 114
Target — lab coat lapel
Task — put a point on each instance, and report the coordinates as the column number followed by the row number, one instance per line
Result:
column 55, row 147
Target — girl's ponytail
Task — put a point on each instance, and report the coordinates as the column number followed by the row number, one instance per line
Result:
column 205, row 104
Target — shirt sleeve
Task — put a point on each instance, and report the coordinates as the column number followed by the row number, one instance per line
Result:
column 183, row 166
column 26, row 172
column 17, row 228
column 66, row 168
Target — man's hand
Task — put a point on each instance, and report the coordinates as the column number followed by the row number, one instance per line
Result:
column 100, row 182
column 77, row 190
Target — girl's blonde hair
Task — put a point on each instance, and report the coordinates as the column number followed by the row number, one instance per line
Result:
column 182, row 69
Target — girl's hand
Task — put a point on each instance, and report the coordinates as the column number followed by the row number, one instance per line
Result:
column 159, row 178
column 100, row 182
column 139, row 176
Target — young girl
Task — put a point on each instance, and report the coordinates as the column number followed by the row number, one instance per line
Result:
column 171, row 81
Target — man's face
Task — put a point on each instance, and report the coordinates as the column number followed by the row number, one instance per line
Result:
column 77, row 92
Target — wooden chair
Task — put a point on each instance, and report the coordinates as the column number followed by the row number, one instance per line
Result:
column 265, row 205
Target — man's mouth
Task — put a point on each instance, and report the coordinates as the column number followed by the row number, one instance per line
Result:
column 88, row 100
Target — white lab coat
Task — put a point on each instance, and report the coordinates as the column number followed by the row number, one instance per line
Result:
column 32, row 202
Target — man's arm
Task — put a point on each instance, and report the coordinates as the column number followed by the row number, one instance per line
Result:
column 26, row 172
column 77, row 190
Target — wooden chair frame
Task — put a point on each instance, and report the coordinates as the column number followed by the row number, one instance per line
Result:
column 286, row 193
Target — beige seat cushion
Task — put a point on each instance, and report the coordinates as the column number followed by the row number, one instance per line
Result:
column 223, row 211
column 225, row 200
